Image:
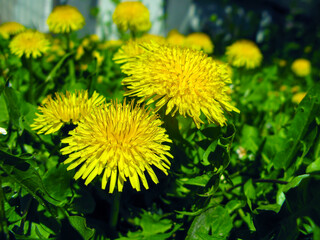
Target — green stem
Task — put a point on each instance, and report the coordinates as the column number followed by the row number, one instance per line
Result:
column 67, row 35
column 133, row 34
column 30, row 94
column 71, row 71
column 114, row 214
column 317, row 147
column 70, row 61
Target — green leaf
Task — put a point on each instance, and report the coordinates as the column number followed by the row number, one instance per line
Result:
column 212, row 147
column 57, row 182
column 22, row 173
column 295, row 182
column 84, row 202
column 79, row 223
column 233, row 205
column 195, row 213
column 28, row 112
column 306, row 113
column 314, row 166
column 215, row 223
column 200, row 181
column 249, row 190
column 154, row 227
column 52, row 74
column 4, row 116
column 212, row 132
column 250, row 138
column 270, row 207
column 151, row 224
column 13, row 106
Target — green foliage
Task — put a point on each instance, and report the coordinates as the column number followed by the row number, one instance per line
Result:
column 214, row 223
column 256, row 178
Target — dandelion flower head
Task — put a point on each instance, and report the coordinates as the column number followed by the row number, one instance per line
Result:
column 8, row 29
column 227, row 65
column 98, row 57
column 183, row 79
column 30, row 44
column 152, row 37
column 121, row 141
column 295, row 89
column 94, row 38
column 64, row 19
column 133, row 16
column 297, row 98
column 64, row 109
column 301, row 67
column 132, row 48
column 282, row 63
column 244, row 53
column 110, row 44
column 199, row 41
column 175, row 38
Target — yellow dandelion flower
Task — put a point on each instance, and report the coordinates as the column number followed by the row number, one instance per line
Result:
column 244, row 53
column 80, row 52
column 100, row 79
column 152, row 37
column 94, row 38
column 64, row 19
column 297, row 98
column 295, row 89
column 301, row 67
column 10, row 28
column 121, row 141
column 128, row 50
column 199, row 41
column 283, row 88
column 110, row 44
column 64, row 109
column 29, row 43
column 98, row 57
column 85, row 42
column 229, row 68
column 175, row 38
column 184, row 79
column 83, row 67
column 282, row 62
column 132, row 47
column 133, row 16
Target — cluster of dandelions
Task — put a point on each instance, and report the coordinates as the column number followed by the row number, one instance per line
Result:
column 33, row 44
column 122, row 141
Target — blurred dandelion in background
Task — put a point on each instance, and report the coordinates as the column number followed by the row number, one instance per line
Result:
column 133, row 16
column 199, row 41
column 298, row 97
column 65, row 19
column 301, row 67
column 175, row 38
column 132, row 47
column 244, row 53
column 8, row 29
column 29, row 44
